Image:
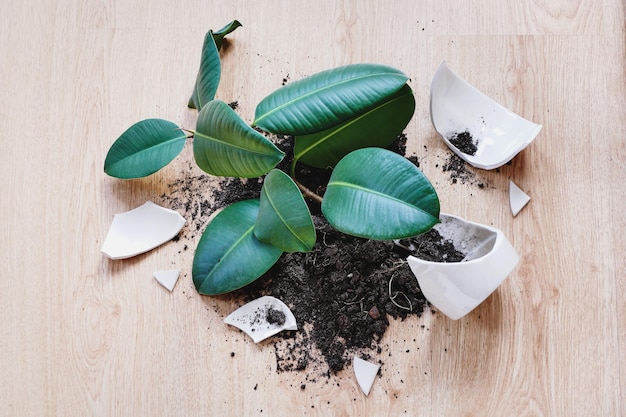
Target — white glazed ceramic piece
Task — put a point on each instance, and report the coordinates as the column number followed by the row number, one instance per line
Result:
column 141, row 229
column 517, row 198
column 167, row 278
column 254, row 320
column 456, row 288
column 365, row 373
column 456, row 106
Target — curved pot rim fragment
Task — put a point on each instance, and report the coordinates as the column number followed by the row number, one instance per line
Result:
column 456, row 288
column 140, row 230
column 262, row 318
column 497, row 133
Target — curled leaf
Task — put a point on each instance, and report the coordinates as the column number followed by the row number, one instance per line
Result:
column 209, row 74
column 219, row 35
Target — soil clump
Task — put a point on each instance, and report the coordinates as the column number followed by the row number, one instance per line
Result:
column 464, row 142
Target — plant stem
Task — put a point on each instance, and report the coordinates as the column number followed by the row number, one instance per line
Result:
column 305, row 191
column 308, row 193
column 190, row 133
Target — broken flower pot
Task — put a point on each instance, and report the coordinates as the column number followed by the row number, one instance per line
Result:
column 140, row 230
column 496, row 134
column 456, row 288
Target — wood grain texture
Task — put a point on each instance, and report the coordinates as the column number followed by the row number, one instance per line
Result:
column 82, row 335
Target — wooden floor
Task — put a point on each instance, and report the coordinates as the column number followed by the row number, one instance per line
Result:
column 81, row 335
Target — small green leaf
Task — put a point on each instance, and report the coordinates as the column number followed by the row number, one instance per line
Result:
column 209, row 74
column 221, row 34
column 378, row 127
column 326, row 99
column 284, row 219
column 228, row 255
column 144, row 148
column 224, row 145
column 377, row 194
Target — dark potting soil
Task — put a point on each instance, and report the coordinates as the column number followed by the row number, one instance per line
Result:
column 274, row 316
column 464, row 142
column 343, row 293
column 459, row 173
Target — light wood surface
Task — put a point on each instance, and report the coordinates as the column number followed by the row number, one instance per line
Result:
column 81, row 335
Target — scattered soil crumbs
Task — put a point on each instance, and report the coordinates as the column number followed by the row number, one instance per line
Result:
column 464, row 142
column 343, row 293
column 459, row 172
column 197, row 197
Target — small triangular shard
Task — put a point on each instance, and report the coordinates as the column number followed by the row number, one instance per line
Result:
column 365, row 373
column 517, row 198
column 167, row 278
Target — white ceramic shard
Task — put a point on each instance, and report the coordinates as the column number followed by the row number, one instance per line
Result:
column 365, row 373
column 262, row 318
column 141, row 229
column 517, row 198
column 167, row 278
column 456, row 288
column 498, row 133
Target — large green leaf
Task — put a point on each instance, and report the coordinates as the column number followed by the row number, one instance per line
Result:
column 228, row 255
column 377, row 127
column 220, row 34
column 284, row 219
column 375, row 193
column 326, row 99
column 144, row 148
column 226, row 146
column 209, row 74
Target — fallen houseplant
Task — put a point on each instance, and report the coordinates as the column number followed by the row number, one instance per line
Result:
column 341, row 118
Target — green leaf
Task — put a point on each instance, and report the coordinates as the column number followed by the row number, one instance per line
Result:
column 284, row 219
column 221, row 34
column 228, row 255
column 377, row 194
column 378, row 127
column 144, row 148
column 226, row 146
column 327, row 99
column 209, row 74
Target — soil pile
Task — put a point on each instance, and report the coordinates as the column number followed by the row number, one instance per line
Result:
column 343, row 293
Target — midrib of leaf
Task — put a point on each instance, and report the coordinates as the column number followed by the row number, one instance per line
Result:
column 377, row 193
column 214, row 139
column 345, row 126
column 154, row 147
column 271, row 201
column 317, row 91
column 231, row 249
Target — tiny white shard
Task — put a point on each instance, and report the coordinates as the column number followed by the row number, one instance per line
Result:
column 365, row 373
column 517, row 198
column 167, row 278
column 141, row 229
column 262, row 318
